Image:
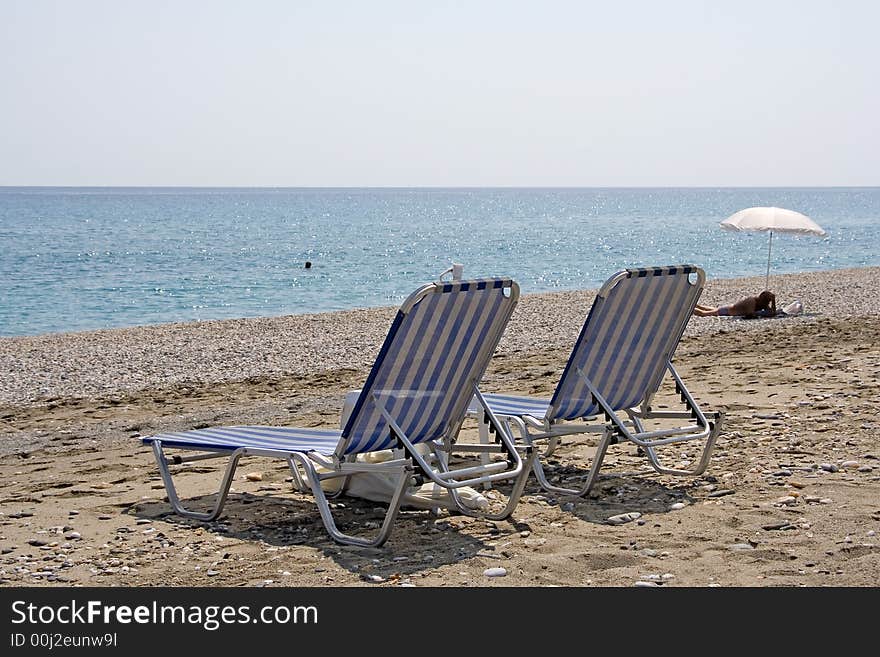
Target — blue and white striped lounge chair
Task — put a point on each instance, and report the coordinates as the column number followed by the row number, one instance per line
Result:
column 616, row 367
column 417, row 392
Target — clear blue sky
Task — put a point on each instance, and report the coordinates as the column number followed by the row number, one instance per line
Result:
column 413, row 93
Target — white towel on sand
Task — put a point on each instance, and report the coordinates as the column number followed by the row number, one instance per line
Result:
column 379, row 487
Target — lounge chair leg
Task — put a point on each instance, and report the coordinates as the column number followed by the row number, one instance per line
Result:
column 442, row 460
column 483, row 426
column 536, row 466
column 173, row 498
column 327, row 516
column 512, row 499
column 538, row 469
column 593, row 474
column 701, row 465
column 598, row 457
column 302, row 484
column 298, row 482
column 484, row 439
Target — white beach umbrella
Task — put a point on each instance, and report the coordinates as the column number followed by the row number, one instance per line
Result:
column 772, row 220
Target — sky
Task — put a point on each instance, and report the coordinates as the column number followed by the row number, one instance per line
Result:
column 414, row 93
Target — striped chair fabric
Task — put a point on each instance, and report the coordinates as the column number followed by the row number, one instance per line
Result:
column 323, row 441
column 432, row 357
column 631, row 331
column 515, row 405
column 440, row 342
column 626, row 341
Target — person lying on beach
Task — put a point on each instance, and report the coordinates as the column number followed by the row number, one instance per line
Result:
column 763, row 305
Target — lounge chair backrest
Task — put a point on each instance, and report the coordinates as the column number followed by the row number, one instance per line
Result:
column 438, row 346
column 633, row 328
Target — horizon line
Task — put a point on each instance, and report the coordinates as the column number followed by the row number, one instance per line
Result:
column 436, row 187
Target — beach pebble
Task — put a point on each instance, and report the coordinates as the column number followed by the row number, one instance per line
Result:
column 254, row 476
column 568, row 507
column 787, row 500
column 212, row 573
column 642, row 582
column 722, row 493
column 105, row 517
column 73, row 536
column 829, row 467
column 623, row 518
column 777, row 525
column 495, row 572
column 677, row 506
column 740, row 547
column 36, row 542
column 850, row 465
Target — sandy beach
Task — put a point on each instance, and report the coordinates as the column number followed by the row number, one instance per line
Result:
column 791, row 497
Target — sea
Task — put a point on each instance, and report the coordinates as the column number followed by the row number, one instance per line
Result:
column 77, row 259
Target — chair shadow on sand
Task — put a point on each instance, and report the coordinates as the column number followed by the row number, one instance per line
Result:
column 613, row 494
column 422, row 540
column 290, row 521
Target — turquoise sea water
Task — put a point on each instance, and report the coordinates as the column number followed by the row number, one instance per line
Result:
column 75, row 259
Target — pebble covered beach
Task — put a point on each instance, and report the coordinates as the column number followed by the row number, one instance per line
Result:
column 60, row 366
column 790, row 496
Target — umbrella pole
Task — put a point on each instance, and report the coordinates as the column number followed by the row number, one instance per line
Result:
column 769, row 248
